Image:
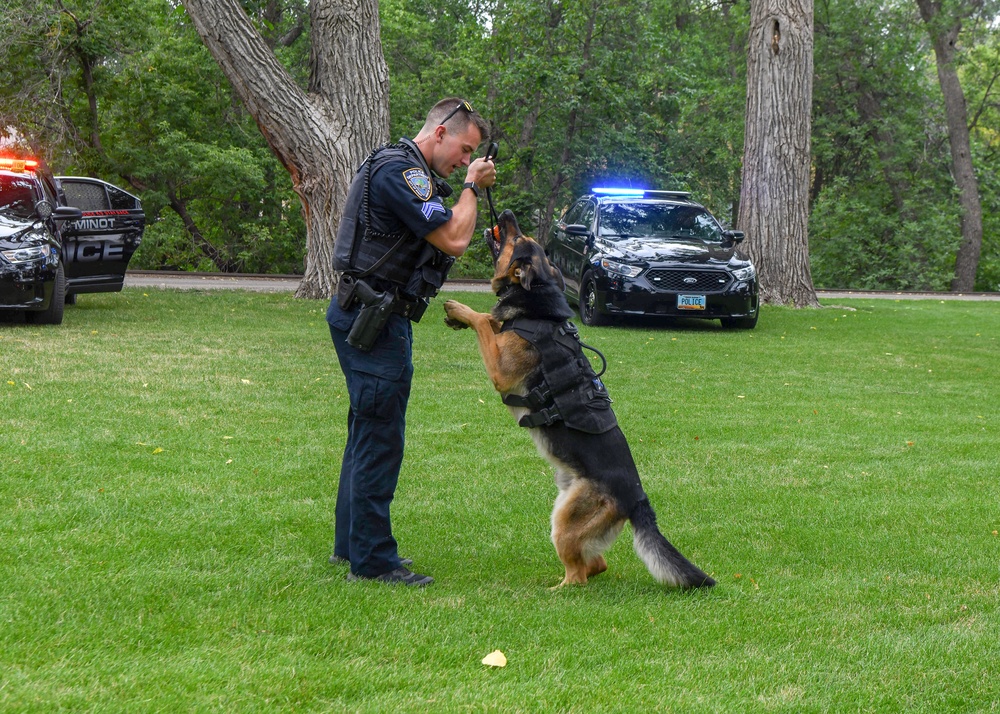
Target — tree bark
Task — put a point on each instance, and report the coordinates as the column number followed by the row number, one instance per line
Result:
column 944, row 34
column 774, row 197
column 320, row 136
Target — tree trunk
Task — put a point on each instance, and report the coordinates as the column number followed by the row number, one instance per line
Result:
column 774, row 197
column 944, row 34
column 321, row 137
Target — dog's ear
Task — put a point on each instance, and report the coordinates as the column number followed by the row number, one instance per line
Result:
column 531, row 271
column 525, row 273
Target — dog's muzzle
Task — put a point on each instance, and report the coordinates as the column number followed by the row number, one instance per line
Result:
column 493, row 241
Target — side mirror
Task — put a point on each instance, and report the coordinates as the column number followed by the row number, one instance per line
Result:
column 67, row 213
column 734, row 237
column 577, row 229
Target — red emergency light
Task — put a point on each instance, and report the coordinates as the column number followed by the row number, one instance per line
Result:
column 18, row 165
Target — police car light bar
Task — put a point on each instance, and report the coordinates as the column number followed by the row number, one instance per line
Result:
column 641, row 193
column 17, row 164
column 609, row 191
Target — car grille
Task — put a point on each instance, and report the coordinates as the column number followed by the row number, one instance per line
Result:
column 702, row 281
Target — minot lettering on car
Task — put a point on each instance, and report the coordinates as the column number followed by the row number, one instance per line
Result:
column 97, row 248
column 60, row 236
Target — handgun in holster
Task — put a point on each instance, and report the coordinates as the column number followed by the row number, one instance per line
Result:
column 376, row 308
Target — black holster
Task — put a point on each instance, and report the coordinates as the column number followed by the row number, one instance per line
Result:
column 376, row 308
column 369, row 323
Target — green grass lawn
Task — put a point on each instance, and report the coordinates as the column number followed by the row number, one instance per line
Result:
column 170, row 464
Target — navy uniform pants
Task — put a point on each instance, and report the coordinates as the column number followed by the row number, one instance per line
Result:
column 378, row 383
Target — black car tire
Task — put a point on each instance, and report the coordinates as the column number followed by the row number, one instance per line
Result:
column 53, row 315
column 740, row 323
column 589, row 313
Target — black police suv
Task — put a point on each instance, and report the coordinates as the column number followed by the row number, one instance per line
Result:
column 60, row 236
column 644, row 252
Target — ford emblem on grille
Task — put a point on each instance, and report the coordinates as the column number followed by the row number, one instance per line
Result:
column 690, row 281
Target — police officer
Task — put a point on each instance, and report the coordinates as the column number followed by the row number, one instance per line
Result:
column 394, row 246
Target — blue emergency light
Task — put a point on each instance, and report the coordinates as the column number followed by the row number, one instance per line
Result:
column 611, row 191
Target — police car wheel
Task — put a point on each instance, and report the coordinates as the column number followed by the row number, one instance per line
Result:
column 53, row 315
column 589, row 312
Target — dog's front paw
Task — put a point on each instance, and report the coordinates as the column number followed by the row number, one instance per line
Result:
column 454, row 312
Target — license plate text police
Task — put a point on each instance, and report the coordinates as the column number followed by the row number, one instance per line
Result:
column 690, row 302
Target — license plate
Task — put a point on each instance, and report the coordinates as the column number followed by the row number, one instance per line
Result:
column 690, row 302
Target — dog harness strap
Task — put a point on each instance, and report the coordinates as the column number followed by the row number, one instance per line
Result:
column 535, row 399
column 543, row 417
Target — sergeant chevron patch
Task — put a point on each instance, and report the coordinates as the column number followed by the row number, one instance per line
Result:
column 430, row 208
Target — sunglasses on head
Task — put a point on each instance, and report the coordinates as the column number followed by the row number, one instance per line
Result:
column 462, row 105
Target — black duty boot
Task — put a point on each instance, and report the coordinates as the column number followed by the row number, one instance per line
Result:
column 337, row 560
column 400, row 575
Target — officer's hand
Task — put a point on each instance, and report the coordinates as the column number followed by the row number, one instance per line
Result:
column 482, row 172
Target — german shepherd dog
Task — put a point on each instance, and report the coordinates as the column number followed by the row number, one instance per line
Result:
column 599, row 487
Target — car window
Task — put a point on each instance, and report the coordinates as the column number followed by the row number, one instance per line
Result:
column 17, row 196
column 658, row 220
column 573, row 214
column 86, row 196
column 121, row 200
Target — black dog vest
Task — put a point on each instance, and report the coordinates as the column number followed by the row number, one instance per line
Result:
column 569, row 389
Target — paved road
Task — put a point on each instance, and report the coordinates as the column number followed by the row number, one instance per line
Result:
column 259, row 283
column 286, row 283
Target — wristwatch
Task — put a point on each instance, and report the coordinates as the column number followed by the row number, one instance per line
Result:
column 473, row 186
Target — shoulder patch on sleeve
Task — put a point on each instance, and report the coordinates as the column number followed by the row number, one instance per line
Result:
column 419, row 182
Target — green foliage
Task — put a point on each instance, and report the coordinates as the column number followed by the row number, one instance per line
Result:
column 856, row 243
column 170, row 474
column 578, row 92
column 571, row 101
column 981, row 75
column 167, row 128
column 885, row 212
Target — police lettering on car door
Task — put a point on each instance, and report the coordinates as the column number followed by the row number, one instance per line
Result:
column 97, row 247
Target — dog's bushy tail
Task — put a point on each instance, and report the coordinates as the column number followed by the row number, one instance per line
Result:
column 664, row 561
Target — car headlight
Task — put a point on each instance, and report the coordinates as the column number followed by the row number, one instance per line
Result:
column 25, row 255
column 615, row 268
column 746, row 273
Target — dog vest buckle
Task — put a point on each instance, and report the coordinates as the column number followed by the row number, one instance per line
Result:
column 543, row 417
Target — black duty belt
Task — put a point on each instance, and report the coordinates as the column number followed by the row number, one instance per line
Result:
column 352, row 291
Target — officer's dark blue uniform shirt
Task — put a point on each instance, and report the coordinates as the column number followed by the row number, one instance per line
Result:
column 402, row 194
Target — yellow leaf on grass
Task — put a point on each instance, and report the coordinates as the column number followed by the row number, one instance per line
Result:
column 157, row 450
column 495, row 659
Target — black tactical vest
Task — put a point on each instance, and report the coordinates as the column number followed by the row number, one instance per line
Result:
column 569, row 388
column 366, row 248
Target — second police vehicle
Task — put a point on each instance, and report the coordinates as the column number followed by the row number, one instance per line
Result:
column 59, row 237
column 646, row 252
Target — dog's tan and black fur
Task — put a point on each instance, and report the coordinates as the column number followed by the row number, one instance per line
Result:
column 599, row 487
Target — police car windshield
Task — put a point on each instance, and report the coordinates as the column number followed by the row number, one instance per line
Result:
column 17, row 196
column 636, row 219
